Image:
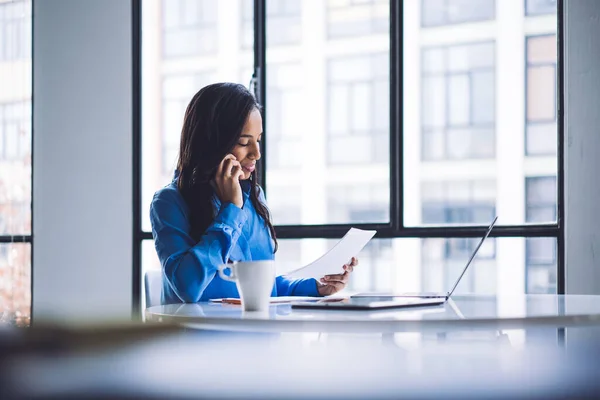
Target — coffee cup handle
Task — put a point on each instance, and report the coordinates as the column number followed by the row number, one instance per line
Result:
column 222, row 268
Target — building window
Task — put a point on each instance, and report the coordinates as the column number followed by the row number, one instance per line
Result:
column 355, row 204
column 15, row 131
column 284, row 22
column 540, row 259
column 189, row 27
column 357, row 17
column 284, row 125
column 458, row 102
column 15, row 30
column 447, row 12
column 177, row 91
column 285, row 204
column 541, row 136
column 247, row 26
column 539, row 7
column 358, row 109
column 461, row 203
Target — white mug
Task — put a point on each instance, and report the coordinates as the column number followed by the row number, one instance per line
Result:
column 254, row 281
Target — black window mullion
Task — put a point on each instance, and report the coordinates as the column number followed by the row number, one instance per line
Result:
column 4, row 239
column 386, row 231
column 396, row 117
column 260, row 79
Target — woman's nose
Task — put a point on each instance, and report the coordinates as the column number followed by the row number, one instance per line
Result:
column 255, row 154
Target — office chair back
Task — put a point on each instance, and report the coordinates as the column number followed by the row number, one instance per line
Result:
column 153, row 286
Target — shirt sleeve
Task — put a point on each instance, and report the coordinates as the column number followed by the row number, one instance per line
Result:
column 187, row 266
column 296, row 287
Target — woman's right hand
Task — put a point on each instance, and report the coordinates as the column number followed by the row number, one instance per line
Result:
column 227, row 181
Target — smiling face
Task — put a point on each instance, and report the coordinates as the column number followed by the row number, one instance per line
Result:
column 247, row 149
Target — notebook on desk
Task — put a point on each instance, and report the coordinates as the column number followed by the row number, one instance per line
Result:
column 444, row 296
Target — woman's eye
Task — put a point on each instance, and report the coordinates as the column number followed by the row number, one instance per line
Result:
column 243, row 144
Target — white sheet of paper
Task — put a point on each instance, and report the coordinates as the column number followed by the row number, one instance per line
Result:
column 273, row 300
column 333, row 261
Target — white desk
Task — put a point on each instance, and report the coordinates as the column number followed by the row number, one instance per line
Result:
column 461, row 312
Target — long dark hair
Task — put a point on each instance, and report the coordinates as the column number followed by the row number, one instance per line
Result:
column 212, row 126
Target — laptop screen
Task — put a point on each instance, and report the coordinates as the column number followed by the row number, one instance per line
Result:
column 473, row 256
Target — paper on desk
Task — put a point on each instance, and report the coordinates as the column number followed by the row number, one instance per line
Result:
column 272, row 300
column 333, row 261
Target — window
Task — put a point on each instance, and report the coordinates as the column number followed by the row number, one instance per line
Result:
column 359, row 203
column 541, row 252
column 189, row 27
column 539, row 7
column 15, row 130
column 348, row 18
column 460, row 203
column 327, row 114
column 458, row 102
column 284, row 121
column 177, row 91
column 15, row 30
column 285, row 18
column 15, row 162
column 445, row 12
column 171, row 77
column 425, row 140
column 358, row 110
column 541, row 95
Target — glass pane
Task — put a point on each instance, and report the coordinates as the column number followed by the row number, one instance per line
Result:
column 15, row 283
column 348, row 18
column 186, row 45
column 339, row 113
column 541, row 93
column 434, row 101
column 541, row 199
column 466, row 121
column 537, row 7
column 444, row 12
column 434, row 265
column 483, row 101
column 541, row 139
column 460, row 103
column 541, row 49
column 15, row 120
column 189, row 27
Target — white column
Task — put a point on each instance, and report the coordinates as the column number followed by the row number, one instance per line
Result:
column 82, row 165
column 510, row 117
column 407, row 252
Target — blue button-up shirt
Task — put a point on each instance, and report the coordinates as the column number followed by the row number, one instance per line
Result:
column 190, row 268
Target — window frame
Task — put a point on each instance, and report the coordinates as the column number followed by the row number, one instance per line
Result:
column 396, row 227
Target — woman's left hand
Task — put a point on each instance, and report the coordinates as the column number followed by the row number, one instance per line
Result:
column 330, row 284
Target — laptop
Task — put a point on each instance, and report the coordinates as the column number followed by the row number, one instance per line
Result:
column 444, row 296
column 379, row 301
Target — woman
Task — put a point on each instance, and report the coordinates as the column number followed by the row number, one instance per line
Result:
column 214, row 212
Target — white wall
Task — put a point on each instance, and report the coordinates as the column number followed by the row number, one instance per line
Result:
column 82, row 179
column 582, row 146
